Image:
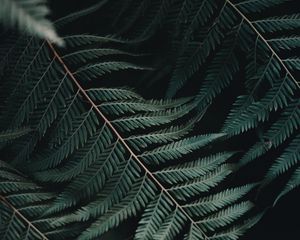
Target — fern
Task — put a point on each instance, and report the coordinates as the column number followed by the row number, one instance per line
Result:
column 247, row 118
column 199, row 37
column 28, row 16
column 286, row 161
column 279, row 131
column 9, row 135
column 92, row 156
column 187, row 65
column 92, row 160
column 23, row 193
column 288, row 43
column 291, row 185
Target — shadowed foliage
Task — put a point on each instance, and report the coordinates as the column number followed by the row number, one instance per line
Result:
column 81, row 156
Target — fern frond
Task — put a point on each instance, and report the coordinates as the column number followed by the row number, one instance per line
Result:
column 256, row 6
column 158, row 209
column 293, row 183
column 110, row 154
column 111, row 94
column 217, row 201
column 224, row 217
column 76, row 138
column 85, row 39
column 30, row 17
column 126, row 208
column 91, row 161
column 202, row 184
column 249, row 116
column 15, row 219
column 11, row 134
column 237, row 231
column 220, row 73
column 99, row 69
column 82, row 56
column 187, row 65
column 139, row 142
column 76, row 15
column 122, row 107
column 100, row 161
column 285, row 43
column 177, row 149
column 274, row 24
column 279, row 131
column 292, row 63
column 189, row 170
column 287, row 160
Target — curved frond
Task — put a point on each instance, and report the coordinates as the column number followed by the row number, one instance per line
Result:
column 9, row 135
column 30, row 17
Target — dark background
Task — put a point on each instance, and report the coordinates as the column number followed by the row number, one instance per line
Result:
column 280, row 222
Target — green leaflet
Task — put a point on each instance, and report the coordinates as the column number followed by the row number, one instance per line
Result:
column 287, row 160
column 9, row 135
column 279, row 131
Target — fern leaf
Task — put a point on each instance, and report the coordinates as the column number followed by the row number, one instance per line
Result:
column 126, row 208
column 110, row 94
column 185, row 68
column 83, row 56
column 203, row 184
column 76, row 15
column 172, row 225
column 285, row 43
column 99, row 69
column 194, row 169
column 112, row 155
column 90, row 159
column 15, row 219
column 256, row 6
column 29, row 16
column 217, row 201
column 220, row 73
column 85, row 39
column 76, row 138
column 177, row 149
column 292, row 63
column 237, row 231
column 224, row 217
column 276, row 134
column 118, row 108
column 273, row 24
column 287, row 160
column 277, row 97
column 139, row 142
column 293, row 183
column 153, row 217
column 90, row 155
column 9, row 135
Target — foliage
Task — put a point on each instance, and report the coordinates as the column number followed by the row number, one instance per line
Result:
column 28, row 16
column 218, row 42
column 92, row 157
